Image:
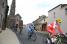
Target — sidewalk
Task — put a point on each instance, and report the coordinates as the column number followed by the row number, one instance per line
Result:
column 8, row 37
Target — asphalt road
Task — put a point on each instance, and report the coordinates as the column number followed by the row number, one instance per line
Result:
column 23, row 38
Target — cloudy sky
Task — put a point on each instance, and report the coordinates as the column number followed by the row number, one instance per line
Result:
column 30, row 10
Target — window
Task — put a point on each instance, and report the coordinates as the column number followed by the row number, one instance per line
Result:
column 66, row 11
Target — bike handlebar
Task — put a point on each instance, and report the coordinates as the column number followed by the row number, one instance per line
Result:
column 62, row 35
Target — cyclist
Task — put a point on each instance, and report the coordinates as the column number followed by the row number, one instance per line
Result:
column 54, row 27
column 51, row 28
column 30, row 30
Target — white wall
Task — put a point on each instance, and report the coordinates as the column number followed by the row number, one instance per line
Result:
column 59, row 12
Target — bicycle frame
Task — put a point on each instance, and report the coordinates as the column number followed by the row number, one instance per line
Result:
column 59, row 39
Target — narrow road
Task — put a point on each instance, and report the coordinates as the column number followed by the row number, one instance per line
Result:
column 24, row 38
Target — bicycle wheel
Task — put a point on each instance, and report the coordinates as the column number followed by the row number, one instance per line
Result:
column 34, row 37
column 46, row 40
column 58, row 42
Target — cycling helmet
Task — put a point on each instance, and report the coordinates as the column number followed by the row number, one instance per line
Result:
column 59, row 20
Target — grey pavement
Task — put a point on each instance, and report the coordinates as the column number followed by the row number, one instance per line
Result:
column 8, row 37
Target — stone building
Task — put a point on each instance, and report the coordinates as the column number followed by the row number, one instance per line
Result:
column 11, row 17
column 21, row 24
column 3, row 13
column 18, row 19
column 11, row 21
column 39, row 22
column 14, row 20
column 60, row 11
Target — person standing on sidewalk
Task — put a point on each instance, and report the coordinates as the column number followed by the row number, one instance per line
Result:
column 15, row 28
column 20, row 29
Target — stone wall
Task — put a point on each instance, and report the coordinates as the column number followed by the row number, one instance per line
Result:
column 3, row 13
